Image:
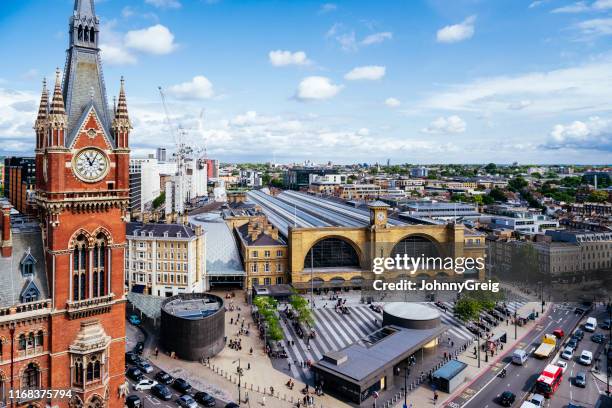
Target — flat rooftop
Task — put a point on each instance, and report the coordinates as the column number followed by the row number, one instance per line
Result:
column 193, row 309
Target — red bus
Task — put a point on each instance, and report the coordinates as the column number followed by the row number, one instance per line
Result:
column 550, row 379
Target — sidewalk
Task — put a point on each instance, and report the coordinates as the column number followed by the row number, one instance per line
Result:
column 423, row 395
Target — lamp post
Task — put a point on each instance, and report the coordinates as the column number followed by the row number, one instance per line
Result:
column 406, row 374
column 478, row 349
column 515, row 322
column 239, row 378
column 312, row 278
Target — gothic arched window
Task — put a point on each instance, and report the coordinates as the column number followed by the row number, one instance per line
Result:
column 80, row 33
column 31, row 377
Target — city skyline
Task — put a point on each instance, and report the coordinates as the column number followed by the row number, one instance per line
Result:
column 346, row 82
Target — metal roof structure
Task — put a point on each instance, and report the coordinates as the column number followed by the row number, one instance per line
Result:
column 291, row 208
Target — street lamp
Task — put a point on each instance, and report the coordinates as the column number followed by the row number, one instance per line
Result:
column 239, row 378
column 406, row 374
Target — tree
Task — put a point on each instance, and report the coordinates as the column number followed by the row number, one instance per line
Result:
column 490, row 168
column 467, row 308
column 300, row 305
column 487, row 200
column 537, row 175
column 498, row 195
column 517, row 184
column 267, row 308
column 159, row 200
column 598, row 196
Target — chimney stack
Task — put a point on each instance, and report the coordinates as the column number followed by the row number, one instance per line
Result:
column 6, row 243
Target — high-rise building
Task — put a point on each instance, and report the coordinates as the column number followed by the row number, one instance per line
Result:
column 19, row 181
column 160, row 154
column 65, row 308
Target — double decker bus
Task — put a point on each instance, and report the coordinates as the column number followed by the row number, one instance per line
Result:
column 549, row 380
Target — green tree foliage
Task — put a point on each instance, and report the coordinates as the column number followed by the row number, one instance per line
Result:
column 598, row 196
column 159, row 200
column 517, row 184
column 491, row 168
column 467, row 309
column 267, row 308
column 301, row 307
column 498, row 195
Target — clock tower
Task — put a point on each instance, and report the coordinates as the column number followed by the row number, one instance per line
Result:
column 82, row 195
column 378, row 213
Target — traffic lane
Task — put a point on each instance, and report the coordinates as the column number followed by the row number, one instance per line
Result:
column 486, row 389
column 175, row 394
column 587, row 396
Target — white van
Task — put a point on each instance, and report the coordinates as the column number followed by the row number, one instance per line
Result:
column 519, row 356
column 590, row 325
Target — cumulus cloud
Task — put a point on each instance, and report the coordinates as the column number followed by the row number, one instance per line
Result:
column 457, row 32
column 116, row 55
column 594, row 134
column 198, row 88
column 446, row 125
column 327, row 8
column 156, row 40
column 280, row 58
column 392, row 102
column 594, row 28
column 164, row 3
column 17, row 115
column 377, row 38
column 368, row 73
column 317, row 88
column 583, row 6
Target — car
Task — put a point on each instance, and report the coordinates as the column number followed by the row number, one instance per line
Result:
column 598, row 338
column 580, row 379
column 181, row 385
column 134, row 373
column 573, row 344
column 561, row 364
column 138, row 348
column 579, row 310
column 162, row 392
column 131, row 357
column 586, row 358
column 205, row 399
column 145, row 384
column 134, row 319
column 507, row 398
column 133, row 401
column 145, row 366
column 537, row 400
column 232, row 405
column 559, row 333
column 164, row 378
column 578, row 335
column 606, row 324
column 187, row 401
column 568, row 353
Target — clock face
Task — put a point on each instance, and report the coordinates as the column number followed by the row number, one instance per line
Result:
column 380, row 216
column 90, row 165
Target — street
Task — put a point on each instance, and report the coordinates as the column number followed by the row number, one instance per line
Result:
column 485, row 391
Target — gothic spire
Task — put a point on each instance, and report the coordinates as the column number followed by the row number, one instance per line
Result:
column 57, row 103
column 122, row 110
column 84, row 8
column 44, row 103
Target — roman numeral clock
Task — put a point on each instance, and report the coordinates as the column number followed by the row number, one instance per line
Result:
column 90, row 165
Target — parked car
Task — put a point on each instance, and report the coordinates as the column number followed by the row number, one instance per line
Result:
column 145, row 366
column 586, row 358
column 578, row 335
column 232, row 405
column 568, row 353
column 606, row 324
column 131, row 357
column 145, row 384
column 187, row 401
column 133, row 401
column 134, row 373
column 580, row 379
column 561, row 364
column 537, row 400
column 559, row 333
column 162, row 392
column 507, row 398
column 134, row 319
column 579, row 310
column 181, row 385
column 164, row 378
column 138, row 348
column 205, row 399
column 598, row 338
column 573, row 344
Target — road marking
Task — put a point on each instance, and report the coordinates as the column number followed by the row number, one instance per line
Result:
column 483, row 387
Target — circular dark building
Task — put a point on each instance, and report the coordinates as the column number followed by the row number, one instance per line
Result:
column 193, row 325
column 410, row 315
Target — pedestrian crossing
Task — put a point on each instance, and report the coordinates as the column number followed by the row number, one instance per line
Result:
column 335, row 331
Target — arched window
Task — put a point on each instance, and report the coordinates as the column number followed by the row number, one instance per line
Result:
column 331, row 253
column 30, row 340
column 40, row 337
column 78, row 373
column 80, row 33
column 22, row 341
column 90, row 371
column 99, row 254
column 92, row 35
column 79, row 265
column 416, row 247
column 31, row 377
column 86, row 35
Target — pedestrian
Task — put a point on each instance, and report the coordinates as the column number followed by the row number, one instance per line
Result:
column 232, row 320
column 156, row 352
column 248, row 366
column 452, row 344
column 263, row 400
column 289, row 365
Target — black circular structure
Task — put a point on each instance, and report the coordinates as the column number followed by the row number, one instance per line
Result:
column 410, row 315
column 193, row 325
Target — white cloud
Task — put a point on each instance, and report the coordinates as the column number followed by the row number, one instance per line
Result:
column 442, row 125
column 116, row 55
column 280, row 58
column 594, row 133
column 198, row 88
column 328, row 7
column 164, row 3
column 585, row 87
column 602, row 5
column 363, row 132
column 317, row 88
column 457, row 32
column 127, row 11
column 578, row 7
column 597, row 27
column 519, row 105
column 156, row 39
column 535, row 3
column 368, row 73
column 392, row 102
column 377, row 38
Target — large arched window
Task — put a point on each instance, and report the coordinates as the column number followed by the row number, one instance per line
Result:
column 99, row 266
column 331, row 253
column 79, row 269
column 31, row 377
column 80, row 33
column 77, row 375
column 415, row 247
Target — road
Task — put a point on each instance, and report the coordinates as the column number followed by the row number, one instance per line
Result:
column 484, row 392
column 146, row 396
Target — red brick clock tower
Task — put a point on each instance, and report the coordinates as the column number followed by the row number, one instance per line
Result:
column 82, row 164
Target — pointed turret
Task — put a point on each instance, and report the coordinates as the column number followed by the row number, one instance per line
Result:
column 57, row 114
column 121, row 122
column 41, row 119
column 84, row 8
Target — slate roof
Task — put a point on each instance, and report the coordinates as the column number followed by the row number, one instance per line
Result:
column 222, row 255
column 158, row 230
column 262, row 239
column 12, row 282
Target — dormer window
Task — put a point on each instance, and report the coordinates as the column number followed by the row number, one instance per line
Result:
column 166, row 234
column 178, row 234
column 30, row 293
column 27, row 264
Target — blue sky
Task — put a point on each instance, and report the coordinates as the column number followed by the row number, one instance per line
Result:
column 425, row 81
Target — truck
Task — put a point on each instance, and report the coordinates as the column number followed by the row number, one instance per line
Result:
column 548, row 345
